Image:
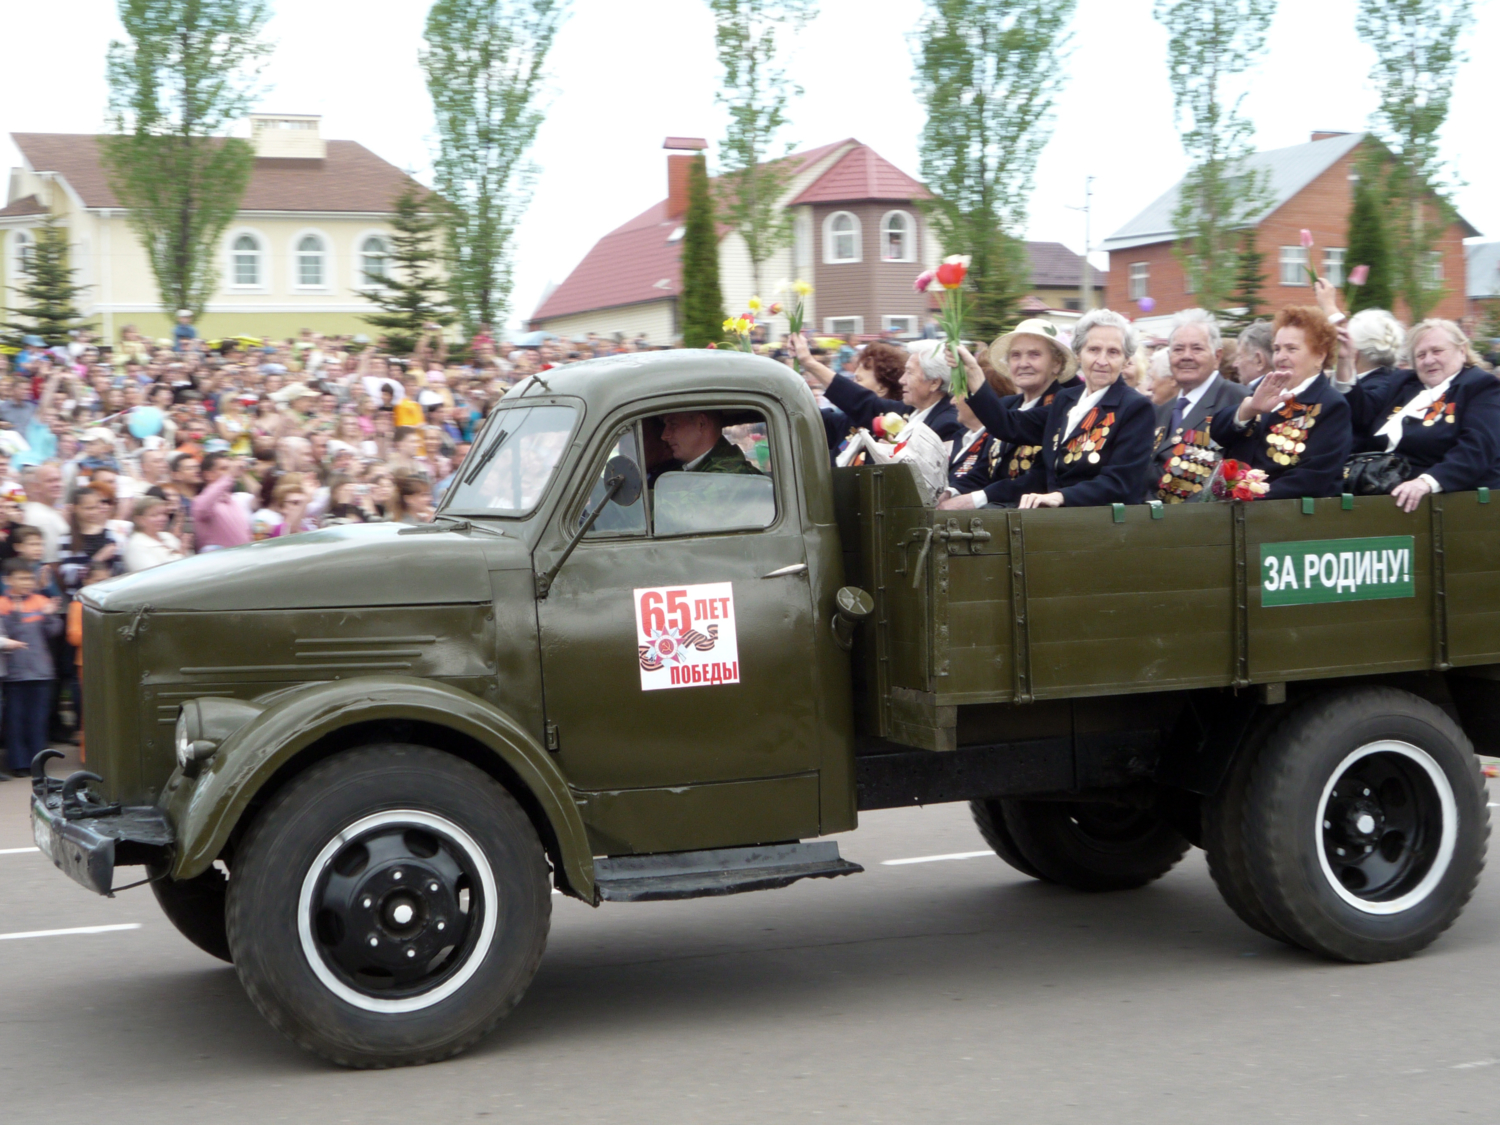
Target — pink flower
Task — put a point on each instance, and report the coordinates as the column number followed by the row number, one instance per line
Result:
column 1307, row 239
column 1359, row 275
column 924, row 279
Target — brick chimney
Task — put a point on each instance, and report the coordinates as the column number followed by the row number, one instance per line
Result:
column 1323, row 135
column 677, row 171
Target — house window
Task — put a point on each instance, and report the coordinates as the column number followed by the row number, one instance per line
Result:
column 898, row 237
column 374, row 259
column 21, row 247
column 1293, row 265
column 1073, row 304
column 1333, row 266
column 245, row 264
column 1434, row 267
column 844, row 325
column 841, row 238
column 1140, row 276
column 900, row 325
column 311, row 262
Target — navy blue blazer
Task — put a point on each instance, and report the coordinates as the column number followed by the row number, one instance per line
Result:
column 970, row 467
column 1457, row 441
column 1317, row 420
column 863, row 406
column 1009, row 459
column 1089, row 467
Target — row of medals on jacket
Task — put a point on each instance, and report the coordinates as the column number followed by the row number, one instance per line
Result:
column 1089, row 440
column 1288, row 438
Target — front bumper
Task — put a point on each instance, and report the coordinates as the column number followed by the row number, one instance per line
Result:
column 86, row 839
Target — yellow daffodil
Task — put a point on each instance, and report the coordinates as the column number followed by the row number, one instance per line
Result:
column 754, row 304
column 802, row 288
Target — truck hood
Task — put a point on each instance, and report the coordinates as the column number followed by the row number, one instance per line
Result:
column 349, row 565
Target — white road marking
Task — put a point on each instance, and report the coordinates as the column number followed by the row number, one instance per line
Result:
column 18, row 851
column 932, row 858
column 74, row 930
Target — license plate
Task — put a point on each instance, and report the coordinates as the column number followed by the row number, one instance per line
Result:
column 41, row 831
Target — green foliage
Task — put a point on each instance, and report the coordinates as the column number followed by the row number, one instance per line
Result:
column 988, row 72
column 755, row 91
column 702, row 299
column 485, row 66
column 1249, row 280
column 47, row 291
column 185, row 73
column 1416, row 58
column 1367, row 246
column 411, row 295
column 1211, row 42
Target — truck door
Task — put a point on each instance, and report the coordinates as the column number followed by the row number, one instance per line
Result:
column 676, row 637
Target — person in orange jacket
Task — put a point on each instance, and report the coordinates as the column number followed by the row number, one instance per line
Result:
column 98, row 572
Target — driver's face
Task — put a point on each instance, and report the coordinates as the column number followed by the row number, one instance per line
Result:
column 687, row 435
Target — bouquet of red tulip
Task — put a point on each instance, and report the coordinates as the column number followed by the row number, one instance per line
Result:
column 950, row 277
column 1235, row 480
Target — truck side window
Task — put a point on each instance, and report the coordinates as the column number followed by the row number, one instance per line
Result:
column 718, row 477
column 615, row 520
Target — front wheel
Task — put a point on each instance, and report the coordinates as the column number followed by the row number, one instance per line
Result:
column 1365, row 824
column 389, row 907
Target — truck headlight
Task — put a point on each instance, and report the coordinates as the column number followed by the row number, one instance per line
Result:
column 193, row 750
column 205, row 724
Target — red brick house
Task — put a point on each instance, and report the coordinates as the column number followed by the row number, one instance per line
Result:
column 1312, row 188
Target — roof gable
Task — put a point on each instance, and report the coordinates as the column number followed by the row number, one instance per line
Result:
column 349, row 178
column 861, row 175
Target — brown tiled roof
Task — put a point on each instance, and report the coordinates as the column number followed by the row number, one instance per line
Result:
column 349, row 178
column 862, row 174
column 26, row 205
column 636, row 262
column 1054, row 266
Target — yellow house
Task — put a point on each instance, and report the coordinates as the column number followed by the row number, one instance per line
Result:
column 313, row 225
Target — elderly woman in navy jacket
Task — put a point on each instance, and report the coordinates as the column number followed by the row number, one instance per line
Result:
column 924, row 389
column 1096, row 436
column 1443, row 417
column 1294, row 426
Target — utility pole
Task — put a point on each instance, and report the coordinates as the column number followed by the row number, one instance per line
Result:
column 1086, row 290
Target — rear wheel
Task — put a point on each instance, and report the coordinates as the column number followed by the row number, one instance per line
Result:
column 389, row 906
column 1365, row 824
column 989, row 817
column 1094, row 846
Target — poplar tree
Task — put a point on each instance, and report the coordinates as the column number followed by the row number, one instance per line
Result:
column 988, row 73
column 485, row 64
column 1416, row 58
column 410, row 293
column 702, row 299
column 49, row 297
column 183, row 75
column 1211, row 43
column 756, row 91
column 1367, row 246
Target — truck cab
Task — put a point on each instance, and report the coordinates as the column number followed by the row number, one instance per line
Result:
column 357, row 761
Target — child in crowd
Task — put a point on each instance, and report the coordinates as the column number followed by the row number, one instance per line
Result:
column 29, row 621
column 29, row 546
column 97, row 572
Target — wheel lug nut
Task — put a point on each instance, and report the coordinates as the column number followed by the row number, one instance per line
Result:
column 1339, row 850
column 433, row 887
column 374, row 940
column 411, row 952
column 1326, row 824
column 395, row 875
column 1367, row 792
column 442, row 925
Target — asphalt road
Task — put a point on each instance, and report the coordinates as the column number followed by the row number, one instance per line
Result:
column 946, row 991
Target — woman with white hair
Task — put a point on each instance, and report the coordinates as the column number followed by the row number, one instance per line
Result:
column 1096, row 436
column 1374, row 339
column 1442, row 419
column 924, row 390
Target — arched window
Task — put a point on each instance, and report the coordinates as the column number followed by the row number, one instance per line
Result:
column 841, row 237
column 245, row 262
column 312, row 269
column 898, row 237
column 374, row 259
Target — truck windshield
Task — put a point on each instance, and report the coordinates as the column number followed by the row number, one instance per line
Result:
column 507, row 475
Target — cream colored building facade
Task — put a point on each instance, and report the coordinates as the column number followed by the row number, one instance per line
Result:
column 314, row 225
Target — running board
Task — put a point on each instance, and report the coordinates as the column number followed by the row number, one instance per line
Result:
column 725, row 871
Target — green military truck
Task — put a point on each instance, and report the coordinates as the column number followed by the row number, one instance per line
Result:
column 356, row 762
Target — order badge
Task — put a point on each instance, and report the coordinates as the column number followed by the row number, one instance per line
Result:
column 685, row 636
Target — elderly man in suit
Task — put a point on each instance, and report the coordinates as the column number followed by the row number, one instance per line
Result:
column 1186, row 454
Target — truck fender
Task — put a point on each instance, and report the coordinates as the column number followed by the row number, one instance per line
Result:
column 205, row 810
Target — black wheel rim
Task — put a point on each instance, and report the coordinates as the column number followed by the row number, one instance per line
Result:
column 1109, row 827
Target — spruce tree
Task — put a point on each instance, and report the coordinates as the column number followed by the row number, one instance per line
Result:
column 1367, row 246
column 48, row 290
column 702, row 299
column 411, row 295
column 1249, row 279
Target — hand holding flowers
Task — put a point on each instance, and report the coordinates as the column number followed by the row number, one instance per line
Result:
column 951, row 276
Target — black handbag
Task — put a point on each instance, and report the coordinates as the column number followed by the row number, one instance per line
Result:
column 1375, row 474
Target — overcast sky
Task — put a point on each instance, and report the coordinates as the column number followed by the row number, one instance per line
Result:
column 626, row 75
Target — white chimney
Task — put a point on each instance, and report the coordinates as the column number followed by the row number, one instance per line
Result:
column 287, row 136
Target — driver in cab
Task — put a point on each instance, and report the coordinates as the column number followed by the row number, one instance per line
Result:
column 696, row 439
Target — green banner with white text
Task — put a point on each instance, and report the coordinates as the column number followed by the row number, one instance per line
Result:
column 1337, row 570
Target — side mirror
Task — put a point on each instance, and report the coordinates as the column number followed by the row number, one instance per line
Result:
column 851, row 605
column 630, row 480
